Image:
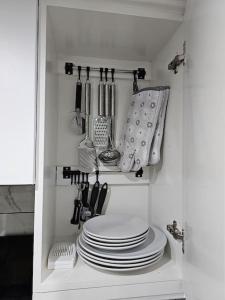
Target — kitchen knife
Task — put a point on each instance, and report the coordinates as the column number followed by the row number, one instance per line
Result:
column 94, row 195
column 76, row 213
column 85, row 194
column 101, row 198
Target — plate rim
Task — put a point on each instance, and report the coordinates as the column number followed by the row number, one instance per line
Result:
column 115, row 240
column 145, row 259
column 113, row 248
column 145, row 223
column 123, row 265
column 113, row 244
column 99, row 267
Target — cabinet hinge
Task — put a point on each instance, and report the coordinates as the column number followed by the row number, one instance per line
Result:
column 176, row 233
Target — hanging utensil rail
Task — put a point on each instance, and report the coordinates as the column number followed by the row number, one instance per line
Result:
column 70, row 67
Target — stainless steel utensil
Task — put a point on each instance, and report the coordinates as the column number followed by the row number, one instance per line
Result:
column 111, row 156
column 86, row 151
column 77, row 121
column 107, row 87
column 101, row 123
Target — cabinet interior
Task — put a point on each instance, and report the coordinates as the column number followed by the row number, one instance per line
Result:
column 91, row 38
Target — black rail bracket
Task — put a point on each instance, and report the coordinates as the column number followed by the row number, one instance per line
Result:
column 141, row 73
column 69, row 68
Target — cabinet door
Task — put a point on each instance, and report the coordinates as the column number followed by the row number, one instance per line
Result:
column 204, row 150
column 18, row 42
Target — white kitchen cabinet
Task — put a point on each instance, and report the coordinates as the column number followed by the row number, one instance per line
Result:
column 18, row 48
column 187, row 187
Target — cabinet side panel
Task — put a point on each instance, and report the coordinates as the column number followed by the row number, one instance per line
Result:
column 166, row 187
column 18, row 33
column 50, row 150
column 46, row 155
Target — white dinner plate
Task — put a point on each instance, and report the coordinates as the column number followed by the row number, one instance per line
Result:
column 113, row 247
column 118, row 262
column 114, row 264
column 117, row 269
column 103, row 240
column 121, row 243
column 117, row 248
column 155, row 242
column 115, row 226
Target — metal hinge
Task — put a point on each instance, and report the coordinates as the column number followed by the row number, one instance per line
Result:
column 176, row 233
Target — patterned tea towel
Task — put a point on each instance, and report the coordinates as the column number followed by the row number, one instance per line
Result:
column 141, row 139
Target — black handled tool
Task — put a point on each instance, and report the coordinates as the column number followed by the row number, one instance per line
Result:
column 94, row 194
column 78, row 120
column 85, row 192
column 77, row 207
column 76, row 213
column 78, row 92
column 101, row 198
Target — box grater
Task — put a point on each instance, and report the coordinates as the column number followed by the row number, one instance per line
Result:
column 102, row 131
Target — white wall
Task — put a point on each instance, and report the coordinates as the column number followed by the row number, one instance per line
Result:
column 166, row 187
column 204, row 168
column 131, row 198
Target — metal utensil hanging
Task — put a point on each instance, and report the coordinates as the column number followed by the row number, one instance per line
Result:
column 86, row 151
column 111, row 156
column 78, row 121
column 101, row 123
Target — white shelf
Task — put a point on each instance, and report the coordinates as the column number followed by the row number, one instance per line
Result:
column 165, row 275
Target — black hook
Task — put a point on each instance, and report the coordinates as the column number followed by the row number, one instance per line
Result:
column 86, row 176
column 106, row 74
column 83, row 174
column 135, row 85
column 135, row 75
column 101, row 71
column 78, row 177
column 112, row 74
column 97, row 174
column 79, row 72
column 88, row 72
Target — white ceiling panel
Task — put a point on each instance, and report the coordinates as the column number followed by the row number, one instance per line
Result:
column 108, row 35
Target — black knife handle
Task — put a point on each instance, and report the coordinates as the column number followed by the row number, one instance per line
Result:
column 78, row 96
column 94, row 196
column 101, row 198
column 76, row 213
column 85, row 195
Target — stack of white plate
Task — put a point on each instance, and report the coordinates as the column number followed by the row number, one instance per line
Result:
column 120, row 243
